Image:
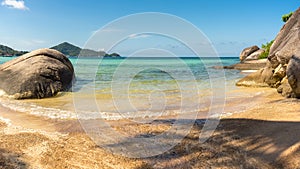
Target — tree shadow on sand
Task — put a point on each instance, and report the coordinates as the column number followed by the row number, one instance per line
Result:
column 10, row 160
column 236, row 143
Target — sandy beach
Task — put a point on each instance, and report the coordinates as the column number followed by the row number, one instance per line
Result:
column 264, row 136
column 149, row 85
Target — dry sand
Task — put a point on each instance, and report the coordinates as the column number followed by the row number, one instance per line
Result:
column 265, row 136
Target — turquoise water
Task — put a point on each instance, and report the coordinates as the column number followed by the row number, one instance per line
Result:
column 5, row 59
column 129, row 87
column 154, row 71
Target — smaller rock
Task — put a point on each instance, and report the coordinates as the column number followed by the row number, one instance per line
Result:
column 247, row 52
column 279, row 74
column 255, row 55
column 285, row 89
column 293, row 75
column 248, row 65
column 253, row 80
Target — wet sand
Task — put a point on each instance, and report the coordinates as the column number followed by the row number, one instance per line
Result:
column 266, row 135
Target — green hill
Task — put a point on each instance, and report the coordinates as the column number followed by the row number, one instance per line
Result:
column 67, row 49
column 72, row 50
column 7, row 51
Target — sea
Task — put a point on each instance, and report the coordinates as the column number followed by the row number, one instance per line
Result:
column 129, row 88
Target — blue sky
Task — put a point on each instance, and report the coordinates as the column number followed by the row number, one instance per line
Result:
column 230, row 25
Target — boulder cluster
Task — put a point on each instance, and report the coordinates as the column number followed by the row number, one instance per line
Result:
column 282, row 70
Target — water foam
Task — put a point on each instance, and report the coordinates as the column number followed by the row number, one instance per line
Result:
column 55, row 113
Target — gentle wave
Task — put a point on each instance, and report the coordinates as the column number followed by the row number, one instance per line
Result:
column 234, row 104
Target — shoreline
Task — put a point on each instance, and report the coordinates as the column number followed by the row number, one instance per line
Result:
column 249, row 138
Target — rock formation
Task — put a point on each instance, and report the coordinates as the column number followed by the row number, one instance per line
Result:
column 38, row 74
column 293, row 74
column 250, row 60
column 252, row 80
column 255, row 55
column 283, row 63
column 248, row 65
column 247, row 52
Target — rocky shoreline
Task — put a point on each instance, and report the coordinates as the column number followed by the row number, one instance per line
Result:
column 248, row 65
column 282, row 66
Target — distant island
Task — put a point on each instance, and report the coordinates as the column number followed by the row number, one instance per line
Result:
column 9, row 52
column 72, row 50
column 65, row 48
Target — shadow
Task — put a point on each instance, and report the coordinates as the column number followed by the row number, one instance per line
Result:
column 267, row 139
column 236, row 143
column 10, row 160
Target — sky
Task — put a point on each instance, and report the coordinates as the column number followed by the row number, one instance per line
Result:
column 229, row 25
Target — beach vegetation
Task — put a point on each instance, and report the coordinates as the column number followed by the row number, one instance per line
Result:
column 266, row 47
column 286, row 17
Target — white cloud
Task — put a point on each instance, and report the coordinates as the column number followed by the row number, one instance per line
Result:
column 36, row 41
column 111, row 30
column 16, row 4
column 107, row 30
column 136, row 36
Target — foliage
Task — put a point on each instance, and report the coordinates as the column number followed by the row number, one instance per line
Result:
column 266, row 47
column 286, row 17
column 7, row 51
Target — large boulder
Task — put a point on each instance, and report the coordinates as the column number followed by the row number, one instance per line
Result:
column 247, row 52
column 283, row 59
column 285, row 89
column 287, row 41
column 286, row 44
column 38, row 74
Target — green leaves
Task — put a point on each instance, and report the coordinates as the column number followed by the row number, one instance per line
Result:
column 286, row 17
column 267, row 47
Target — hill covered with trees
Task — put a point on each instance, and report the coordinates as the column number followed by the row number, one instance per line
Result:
column 72, row 50
column 7, row 51
column 65, row 48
